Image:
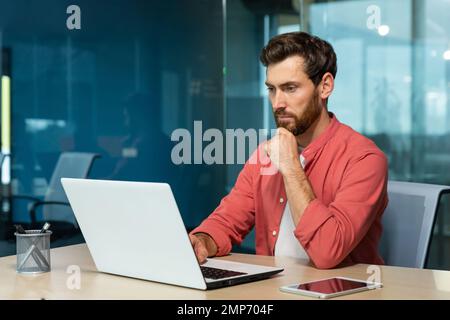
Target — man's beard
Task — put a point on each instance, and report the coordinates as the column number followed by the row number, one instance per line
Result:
column 309, row 116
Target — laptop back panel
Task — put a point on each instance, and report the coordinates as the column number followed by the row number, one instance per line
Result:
column 134, row 229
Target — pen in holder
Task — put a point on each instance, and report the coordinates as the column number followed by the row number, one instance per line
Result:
column 33, row 250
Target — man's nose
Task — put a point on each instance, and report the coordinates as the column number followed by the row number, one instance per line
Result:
column 279, row 101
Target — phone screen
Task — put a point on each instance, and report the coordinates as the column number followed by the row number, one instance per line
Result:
column 333, row 285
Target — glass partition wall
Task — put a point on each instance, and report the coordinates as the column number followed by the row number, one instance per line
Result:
column 116, row 78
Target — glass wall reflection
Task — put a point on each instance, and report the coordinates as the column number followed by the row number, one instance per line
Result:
column 119, row 86
column 392, row 85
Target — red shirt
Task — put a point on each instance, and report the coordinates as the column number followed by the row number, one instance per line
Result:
column 342, row 226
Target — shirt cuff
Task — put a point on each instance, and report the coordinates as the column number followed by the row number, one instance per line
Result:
column 315, row 215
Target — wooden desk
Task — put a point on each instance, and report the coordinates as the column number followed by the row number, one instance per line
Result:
column 399, row 283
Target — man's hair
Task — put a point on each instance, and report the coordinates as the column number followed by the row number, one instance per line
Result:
column 319, row 56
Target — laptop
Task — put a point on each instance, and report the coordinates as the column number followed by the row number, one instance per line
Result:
column 135, row 229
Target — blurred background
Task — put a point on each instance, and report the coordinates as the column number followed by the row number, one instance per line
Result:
column 133, row 71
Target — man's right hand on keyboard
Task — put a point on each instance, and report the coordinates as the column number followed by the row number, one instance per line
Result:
column 204, row 246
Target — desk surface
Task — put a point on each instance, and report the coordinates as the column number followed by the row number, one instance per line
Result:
column 399, row 283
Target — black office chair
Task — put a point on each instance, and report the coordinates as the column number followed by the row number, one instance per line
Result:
column 55, row 205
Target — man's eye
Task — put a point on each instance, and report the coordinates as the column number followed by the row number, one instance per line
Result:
column 270, row 90
column 291, row 88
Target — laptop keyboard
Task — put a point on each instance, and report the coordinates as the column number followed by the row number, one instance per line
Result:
column 214, row 273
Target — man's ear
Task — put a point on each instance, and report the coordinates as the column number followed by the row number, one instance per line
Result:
column 326, row 85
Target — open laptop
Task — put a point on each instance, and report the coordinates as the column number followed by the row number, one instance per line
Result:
column 134, row 229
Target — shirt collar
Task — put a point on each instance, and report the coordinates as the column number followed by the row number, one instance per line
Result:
column 309, row 151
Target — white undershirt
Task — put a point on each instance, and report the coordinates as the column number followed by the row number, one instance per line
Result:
column 287, row 244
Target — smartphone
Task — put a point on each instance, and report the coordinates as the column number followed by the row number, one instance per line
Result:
column 332, row 287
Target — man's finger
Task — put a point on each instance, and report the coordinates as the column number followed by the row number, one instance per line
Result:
column 201, row 253
column 197, row 246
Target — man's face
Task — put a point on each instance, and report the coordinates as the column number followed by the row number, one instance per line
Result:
column 295, row 100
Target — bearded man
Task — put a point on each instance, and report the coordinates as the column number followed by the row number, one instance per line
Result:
column 326, row 199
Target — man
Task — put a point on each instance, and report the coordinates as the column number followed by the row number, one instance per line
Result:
column 326, row 201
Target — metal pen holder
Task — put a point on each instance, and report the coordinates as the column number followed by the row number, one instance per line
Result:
column 33, row 251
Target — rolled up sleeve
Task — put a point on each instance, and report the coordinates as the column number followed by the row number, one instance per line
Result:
column 329, row 233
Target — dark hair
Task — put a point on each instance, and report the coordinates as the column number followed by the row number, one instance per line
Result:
column 318, row 54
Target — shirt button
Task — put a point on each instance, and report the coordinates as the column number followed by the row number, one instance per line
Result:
column 281, row 200
column 274, row 233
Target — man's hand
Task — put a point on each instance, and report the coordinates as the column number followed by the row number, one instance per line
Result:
column 204, row 246
column 282, row 150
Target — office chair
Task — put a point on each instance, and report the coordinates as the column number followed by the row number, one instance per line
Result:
column 408, row 222
column 55, row 205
